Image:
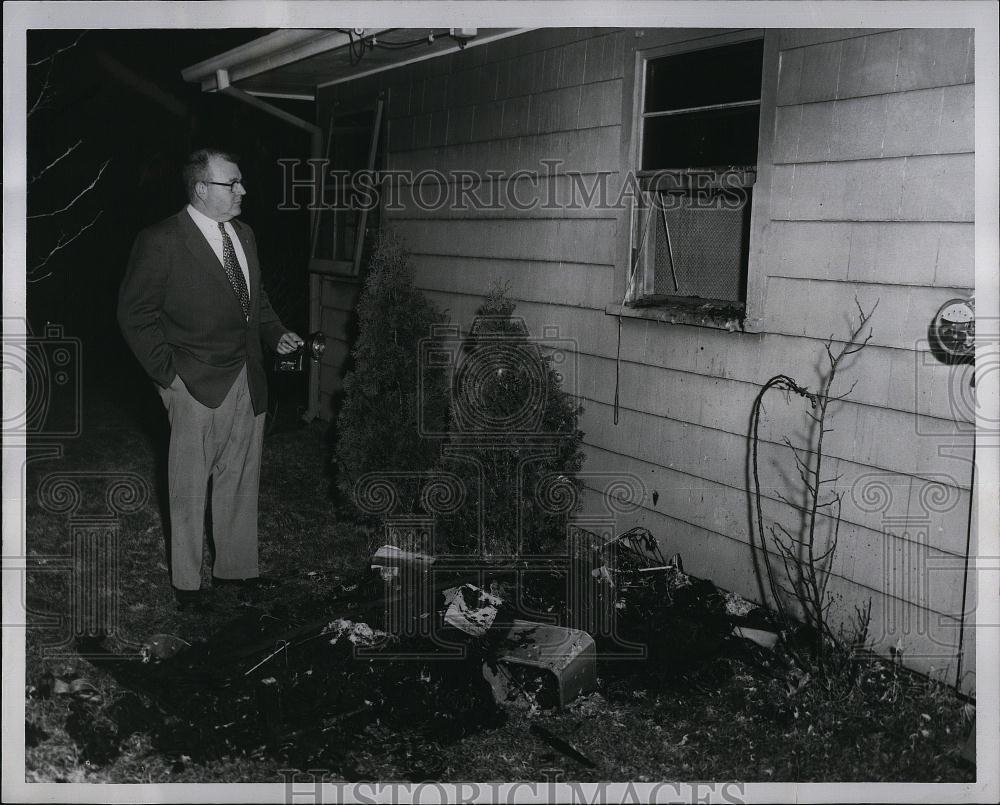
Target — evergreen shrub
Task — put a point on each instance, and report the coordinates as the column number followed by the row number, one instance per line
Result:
column 377, row 424
column 513, row 438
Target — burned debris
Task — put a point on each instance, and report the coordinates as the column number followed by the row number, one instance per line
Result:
column 420, row 654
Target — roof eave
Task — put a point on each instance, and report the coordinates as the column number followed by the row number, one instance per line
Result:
column 268, row 53
column 280, row 48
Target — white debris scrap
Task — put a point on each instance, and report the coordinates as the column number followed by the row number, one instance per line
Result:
column 738, row 606
column 389, row 559
column 470, row 609
column 360, row 634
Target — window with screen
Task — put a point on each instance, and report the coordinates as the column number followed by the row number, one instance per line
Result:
column 699, row 115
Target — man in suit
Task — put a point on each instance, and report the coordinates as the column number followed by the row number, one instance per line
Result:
column 192, row 309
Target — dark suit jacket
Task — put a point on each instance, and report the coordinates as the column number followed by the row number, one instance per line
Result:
column 180, row 314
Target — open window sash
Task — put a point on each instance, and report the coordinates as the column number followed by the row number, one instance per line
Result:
column 690, row 236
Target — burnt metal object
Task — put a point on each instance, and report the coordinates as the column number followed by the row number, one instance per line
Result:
column 569, row 655
column 635, row 549
column 390, row 560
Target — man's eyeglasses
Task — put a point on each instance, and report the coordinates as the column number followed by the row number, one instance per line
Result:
column 231, row 185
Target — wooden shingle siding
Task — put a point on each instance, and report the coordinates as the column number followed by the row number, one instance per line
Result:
column 868, row 558
column 801, row 37
column 929, row 254
column 723, row 405
column 587, row 150
column 871, row 198
column 339, row 295
column 560, row 240
column 536, row 281
column 912, row 383
column 916, row 123
column 720, row 459
column 334, row 324
column 333, row 361
column 877, row 64
column 337, row 301
column 538, row 195
column 903, row 310
column 553, row 42
column 667, row 443
column 928, row 638
column 923, row 188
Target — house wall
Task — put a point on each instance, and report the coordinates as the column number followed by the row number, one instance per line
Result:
column 871, row 198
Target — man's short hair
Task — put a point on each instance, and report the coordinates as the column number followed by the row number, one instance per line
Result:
column 196, row 166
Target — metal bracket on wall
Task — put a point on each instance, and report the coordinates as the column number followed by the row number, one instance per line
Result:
column 222, row 79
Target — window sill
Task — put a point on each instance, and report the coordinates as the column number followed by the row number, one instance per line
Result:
column 335, row 271
column 704, row 315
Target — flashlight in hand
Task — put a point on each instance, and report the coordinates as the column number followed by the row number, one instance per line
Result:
column 313, row 348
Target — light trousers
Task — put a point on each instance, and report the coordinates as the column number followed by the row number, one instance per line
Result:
column 223, row 444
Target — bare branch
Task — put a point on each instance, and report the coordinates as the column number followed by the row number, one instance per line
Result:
column 791, row 577
column 828, row 552
column 79, row 195
column 63, row 242
column 795, row 454
column 805, row 474
column 846, row 394
column 790, row 591
column 788, row 502
column 42, row 93
column 807, row 559
column 52, row 56
column 788, row 560
column 775, row 536
column 791, row 540
column 832, row 553
column 55, row 162
column 829, row 352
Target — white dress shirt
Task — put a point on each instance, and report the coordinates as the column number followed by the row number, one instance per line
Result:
column 210, row 229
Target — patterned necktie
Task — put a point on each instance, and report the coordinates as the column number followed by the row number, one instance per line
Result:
column 233, row 270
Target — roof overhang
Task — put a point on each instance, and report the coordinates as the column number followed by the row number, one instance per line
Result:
column 293, row 63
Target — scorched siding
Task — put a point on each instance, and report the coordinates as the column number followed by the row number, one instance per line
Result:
column 871, row 197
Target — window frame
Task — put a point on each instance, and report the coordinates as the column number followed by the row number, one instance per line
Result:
column 338, row 267
column 651, row 44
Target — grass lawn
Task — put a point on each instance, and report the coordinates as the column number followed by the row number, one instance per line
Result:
column 730, row 717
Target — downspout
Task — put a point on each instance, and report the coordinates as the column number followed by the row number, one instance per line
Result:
column 316, row 152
